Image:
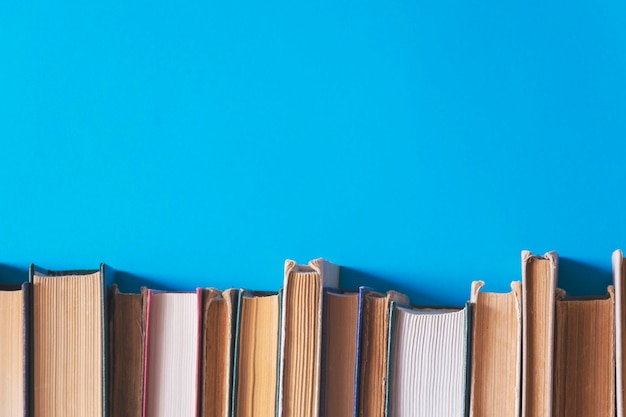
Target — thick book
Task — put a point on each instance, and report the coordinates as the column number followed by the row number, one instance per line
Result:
column 429, row 363
column 15, row 310
column 539, row 281
column 301, row 336
column 172, row 354
column 373, row 350
column 256, row 354
column 585, row 356
column 127, row 321
column 219, row 309
column 340, row 344
column 70, row 342
column 496, row 352
column 619, row 275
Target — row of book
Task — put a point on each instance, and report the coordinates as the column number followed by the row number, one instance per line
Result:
column 72, row 345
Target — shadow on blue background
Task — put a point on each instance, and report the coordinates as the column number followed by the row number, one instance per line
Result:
column 579, row 279
column 131, row 283
column 575, row 277
column 351, row 278
column 10, row 274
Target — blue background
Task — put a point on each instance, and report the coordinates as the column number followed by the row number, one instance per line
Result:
column 421, row 145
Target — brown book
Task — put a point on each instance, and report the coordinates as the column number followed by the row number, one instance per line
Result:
column 301, row 336
column 127, row 314
column 374, row 351
column 218, row 332
column 14, row 350
column 256, row 361
column 339, row 352
column 619, row 275
column 585, row 356
column 539, row 279
column 70, row 342
column 496, row 352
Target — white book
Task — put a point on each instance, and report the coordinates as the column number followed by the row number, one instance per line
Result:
column 429, row 362
column 618, row 283
column 172, row 354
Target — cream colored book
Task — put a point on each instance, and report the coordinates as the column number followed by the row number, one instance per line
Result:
column 172, row 354
column 619, row 275
column 539, row 281
column 496, row 352
column 301, row 336
column 429, row 363
column 585, row 356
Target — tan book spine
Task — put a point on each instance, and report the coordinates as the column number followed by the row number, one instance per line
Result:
column 585, row 356
column 301, row 336
column 496, row 352
column 539, row 278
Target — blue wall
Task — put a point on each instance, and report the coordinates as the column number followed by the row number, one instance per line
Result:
column 420, row 144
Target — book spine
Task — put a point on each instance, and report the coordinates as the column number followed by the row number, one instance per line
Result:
column 27, row 332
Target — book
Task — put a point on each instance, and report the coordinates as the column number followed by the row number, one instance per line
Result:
column 585, row 356
column 619, row 275
column 172, row 354
column 539, row 281
column 219, row 311
column 301, row 336
column 340, row 331
column 127, row 318
column 373, row 351
column 70, row 341
column 496, row 352
column 256, row 358
column 429, row 361
column 15, row 310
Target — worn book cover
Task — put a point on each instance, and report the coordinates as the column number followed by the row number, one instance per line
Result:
column 301, row 336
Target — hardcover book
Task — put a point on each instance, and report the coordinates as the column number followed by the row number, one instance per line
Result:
column 619, row 275
column 127, row 314
column 539, row 281
column 496, row 352
column 256, row 354
column 301, row 336
column 70, row 335
column 172, row 354
column 585, row 356
column 15, row 310
column 339, row 353
column 219, row 313
column 429, row 361
column 374, row 348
